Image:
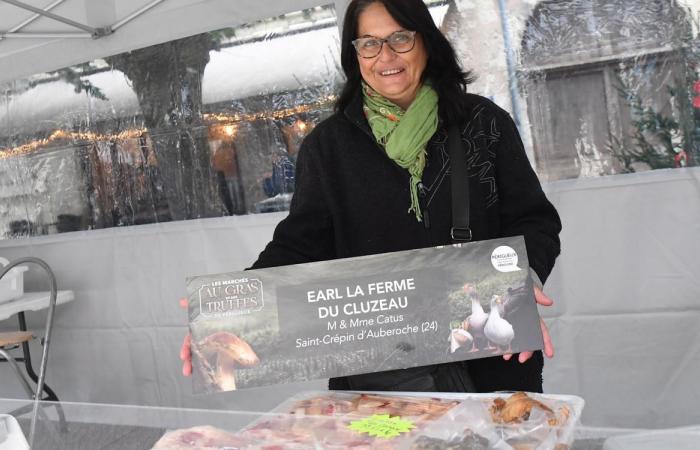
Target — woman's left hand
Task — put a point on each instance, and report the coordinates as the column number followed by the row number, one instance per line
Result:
column 543, row 300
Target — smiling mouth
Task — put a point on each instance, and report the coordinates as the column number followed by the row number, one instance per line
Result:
column 390, row 72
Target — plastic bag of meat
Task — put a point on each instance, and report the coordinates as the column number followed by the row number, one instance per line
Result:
column 200, row 438
column 506, row 421
column 402, row 421
column 338, row 420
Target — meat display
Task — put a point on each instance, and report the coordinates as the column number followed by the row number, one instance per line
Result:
column 201, row 438
column 518, row 407
column 323, row 421
column 470, row 441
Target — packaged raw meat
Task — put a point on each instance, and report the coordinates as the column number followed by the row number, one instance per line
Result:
column 520, row 421
column 201, row 438
column 401, row 421
column 333, row 420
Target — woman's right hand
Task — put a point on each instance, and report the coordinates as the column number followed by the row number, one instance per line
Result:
column 186, row 356
column 185, row 350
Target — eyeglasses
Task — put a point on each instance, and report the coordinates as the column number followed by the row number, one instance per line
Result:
column 398, row 41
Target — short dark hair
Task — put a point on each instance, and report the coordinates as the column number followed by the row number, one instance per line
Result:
column 443, row 70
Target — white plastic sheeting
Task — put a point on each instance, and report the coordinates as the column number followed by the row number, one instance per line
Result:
column 189, row 129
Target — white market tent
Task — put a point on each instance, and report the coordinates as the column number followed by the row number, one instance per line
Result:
column 23, row 55
column 626, row 287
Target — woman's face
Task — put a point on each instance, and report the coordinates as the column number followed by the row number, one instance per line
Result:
column 396, row 76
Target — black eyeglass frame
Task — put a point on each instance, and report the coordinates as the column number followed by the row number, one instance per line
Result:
column 356, row 42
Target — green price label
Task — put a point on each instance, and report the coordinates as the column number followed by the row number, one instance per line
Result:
column 382, row 425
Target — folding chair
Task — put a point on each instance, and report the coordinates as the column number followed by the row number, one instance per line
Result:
column 9, row 340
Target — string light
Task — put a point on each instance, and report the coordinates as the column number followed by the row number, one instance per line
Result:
column 229, row 130
column 278, row 114
column 227, row 123
column 62, row 135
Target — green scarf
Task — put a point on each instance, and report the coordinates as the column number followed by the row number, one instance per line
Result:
column 404, row 134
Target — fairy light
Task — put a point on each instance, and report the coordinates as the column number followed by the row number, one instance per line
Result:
column 62, row 135
column 278, row 114
column 229, row 130
column 226, row 122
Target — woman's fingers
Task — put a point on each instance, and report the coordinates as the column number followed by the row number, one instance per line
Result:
column 185, row 349
column 524, row 356
column 548, row 346
column 542, row 299
column 186, row 355
column 548, row 350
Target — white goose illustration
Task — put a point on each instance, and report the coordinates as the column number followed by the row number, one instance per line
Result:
column 476, row 321
column 498, row 330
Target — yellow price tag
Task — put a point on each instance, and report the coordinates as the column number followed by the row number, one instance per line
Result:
column 382, row 425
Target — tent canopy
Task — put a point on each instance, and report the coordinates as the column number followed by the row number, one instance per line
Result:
column 46, row 44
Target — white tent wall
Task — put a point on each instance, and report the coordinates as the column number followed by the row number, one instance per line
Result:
column 626, row 286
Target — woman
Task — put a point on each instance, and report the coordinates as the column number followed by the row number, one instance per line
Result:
column 374, row 178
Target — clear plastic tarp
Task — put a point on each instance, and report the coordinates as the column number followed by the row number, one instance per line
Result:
column 209, row 125
column 204, row 126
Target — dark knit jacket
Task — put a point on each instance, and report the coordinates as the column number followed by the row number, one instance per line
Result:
column 351, row 199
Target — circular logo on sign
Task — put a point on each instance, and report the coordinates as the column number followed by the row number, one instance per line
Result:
column 505, row 259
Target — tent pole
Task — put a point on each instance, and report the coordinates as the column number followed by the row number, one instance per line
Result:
column 34, row 17
column 95, row 32
column 45, row 36
column 16, row 28
column 135, row 14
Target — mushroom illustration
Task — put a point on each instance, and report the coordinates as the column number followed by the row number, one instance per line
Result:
column 231, row 353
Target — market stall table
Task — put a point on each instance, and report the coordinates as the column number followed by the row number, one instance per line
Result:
column 31, row 301
column 106, row 426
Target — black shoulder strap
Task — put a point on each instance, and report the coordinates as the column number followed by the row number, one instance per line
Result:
column 460, row 187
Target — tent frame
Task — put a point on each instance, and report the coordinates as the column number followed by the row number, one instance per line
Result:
column 88, row 31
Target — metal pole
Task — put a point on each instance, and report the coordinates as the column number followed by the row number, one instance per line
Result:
column 34, row 17
column 13, row 363
column 45, row 35
column 510, row 63
column 513, row 83
column 50, row 15
column 47, row 332
column 135, row 14
column 16, row 28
